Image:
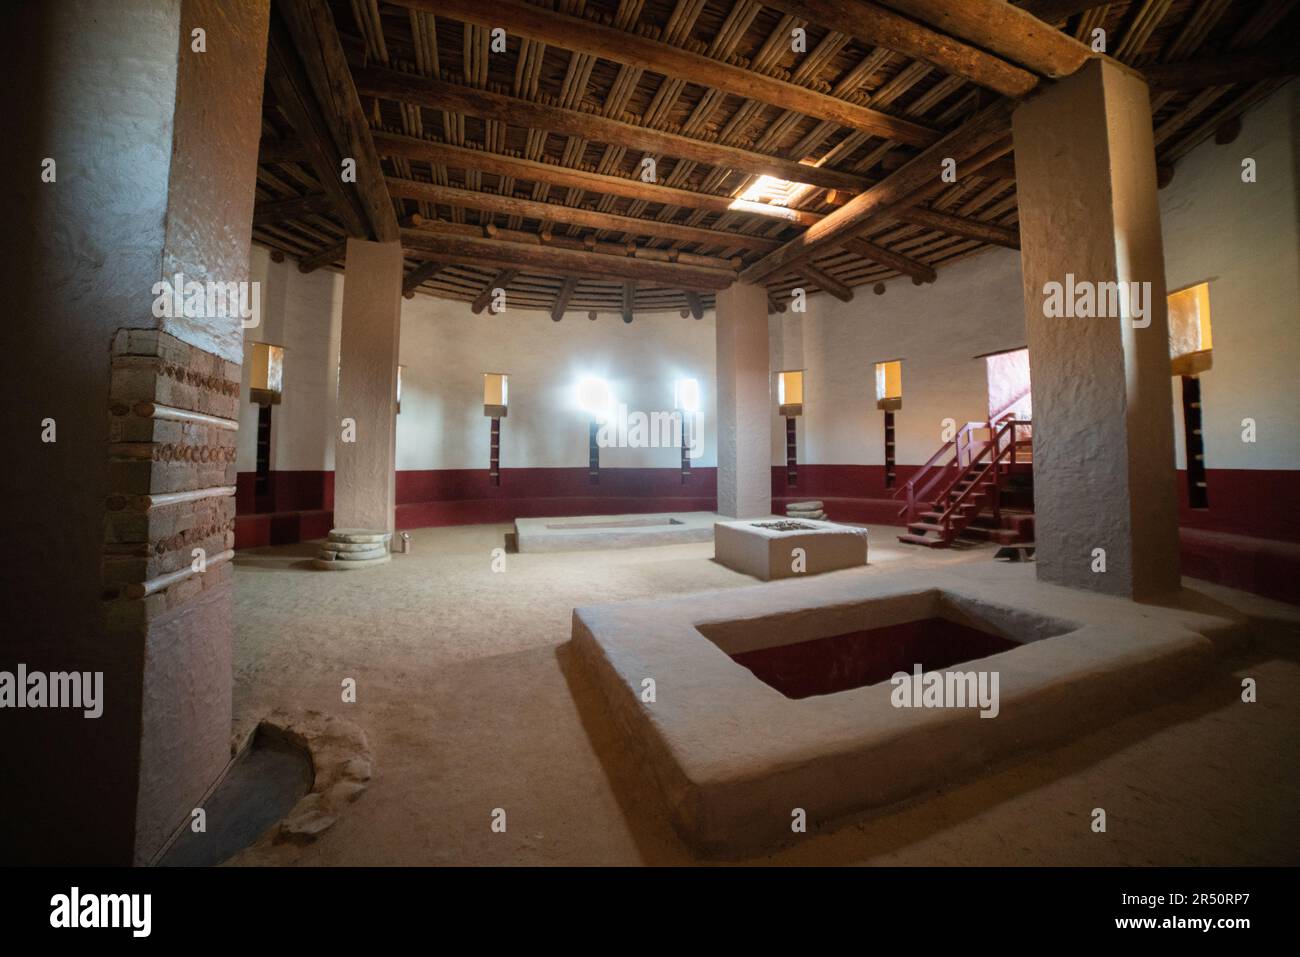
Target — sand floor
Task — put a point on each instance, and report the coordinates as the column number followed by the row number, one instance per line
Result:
column 471, row 703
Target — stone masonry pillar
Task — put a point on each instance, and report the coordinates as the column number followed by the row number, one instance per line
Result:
column 134, row 162
column 1104, row 480
column 744, row 402
column 365, row 455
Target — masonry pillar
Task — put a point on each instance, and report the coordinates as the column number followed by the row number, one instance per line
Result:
column 744, row 402
column 133, row 159
column 1103, row 427
column 365, row 457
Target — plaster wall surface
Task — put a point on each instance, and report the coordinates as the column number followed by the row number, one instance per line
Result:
column 1244, row 239
column 936, row 330
column 303, row 313
column 446, row 349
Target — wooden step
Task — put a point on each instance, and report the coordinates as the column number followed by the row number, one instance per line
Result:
column 922, row 540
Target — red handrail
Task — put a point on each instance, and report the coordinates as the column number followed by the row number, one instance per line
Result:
column 999, row 451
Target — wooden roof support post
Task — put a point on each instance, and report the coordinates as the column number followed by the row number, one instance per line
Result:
column 562, row 298
column 629, row 297
column 420, row 274
column 826, row 282
column 499, row 281
column 887, row 257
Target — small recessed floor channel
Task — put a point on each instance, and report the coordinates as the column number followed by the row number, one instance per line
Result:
column 261, row 788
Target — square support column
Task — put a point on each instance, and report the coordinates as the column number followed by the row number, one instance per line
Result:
column 365, row 456
column 744, row 402
column 1103, row 427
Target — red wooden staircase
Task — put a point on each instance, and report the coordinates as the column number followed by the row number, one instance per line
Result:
column 976, row 486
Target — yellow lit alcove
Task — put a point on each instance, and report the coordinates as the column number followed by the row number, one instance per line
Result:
column 266, row 376
column 889, row 384
column 789, row 392
column 1189, row 330
column 495, row 394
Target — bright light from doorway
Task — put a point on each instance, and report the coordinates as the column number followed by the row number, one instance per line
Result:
column 686, row 395
column 595, row 397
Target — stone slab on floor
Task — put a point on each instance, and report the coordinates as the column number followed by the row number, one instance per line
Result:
column 593, row 532
column 733, row 757
column 768, row 553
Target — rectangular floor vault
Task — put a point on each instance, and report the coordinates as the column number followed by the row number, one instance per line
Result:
column 736, row 759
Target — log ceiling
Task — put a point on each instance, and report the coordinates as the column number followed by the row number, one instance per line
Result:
column 621, row 156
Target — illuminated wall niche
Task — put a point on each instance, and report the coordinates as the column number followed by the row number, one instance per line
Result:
column 889, row 399
column 789, row 396
column 495, row 400
column 1190, row 355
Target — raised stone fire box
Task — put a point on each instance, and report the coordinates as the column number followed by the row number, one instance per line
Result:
column 787, row 548
column 774, row 700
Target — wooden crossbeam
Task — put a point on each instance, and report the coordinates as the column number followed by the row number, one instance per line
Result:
column 573, row 215
column 459, row 157
column 887, row 257
column 323, row 257
column 283, row 150
column 270, row 211
column 562, row 298
column 499, row 281
column 921, row 177
column 454, row 98
column 629, row 298
column 294, row 96
column 960, row 226
column 1054, row 11
column 877, row 26
column 1215, row 71
column 1006, row 30
column 420, row 274
column 511, row 255
column 827, row 282
column 587, row 36
column 310, row 24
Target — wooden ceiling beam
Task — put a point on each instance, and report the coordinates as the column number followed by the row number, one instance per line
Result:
column 1223, row 70
column 499, row 281
column 826, row 282
column 511, row 255
column 562, row 298
column 311, row 26
column 1054, row 11
column 1006, row 30
column 323, row 257
column 619, row 46
column 282, row 150
column 984, row 136
column 629, row 298
column 960, row 226
column 574, row 216
column 269, row 211
column 887, row 257
column 294, row 97
column 876, row 26
column 526, row 114
column 459, row 157
column 420, row 274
